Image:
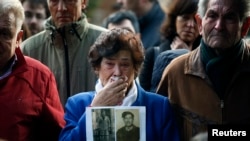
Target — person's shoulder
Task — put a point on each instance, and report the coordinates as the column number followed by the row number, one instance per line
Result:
column 179, row 59
column 97, row 28
column 37, row 66
column 83, row 96
column 155, row 102
column 36, row 37
column 94, row 31
column 35, row 40
column 151, row 53
column 151, row 97
column 174, row 53
column 168, row 55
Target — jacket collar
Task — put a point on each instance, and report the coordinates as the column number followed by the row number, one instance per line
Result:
column 77, row 29
column 20, row 65
column 194, row 65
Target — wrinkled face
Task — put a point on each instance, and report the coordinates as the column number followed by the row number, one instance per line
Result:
column 129, row 4
column 186, row 27
column 64, row 12
column 125, row 23
column 35, row 16
column 128, row 120
column 120, row 64
column 8, row 37
column 221, row 25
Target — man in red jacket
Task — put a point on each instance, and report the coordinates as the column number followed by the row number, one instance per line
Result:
column 30, row 107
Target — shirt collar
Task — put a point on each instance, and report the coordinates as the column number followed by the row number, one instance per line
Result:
column 9, row 70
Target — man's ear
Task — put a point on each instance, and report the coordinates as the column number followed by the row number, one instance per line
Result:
column 199, row 22
column 245, row 27
column 19, row 38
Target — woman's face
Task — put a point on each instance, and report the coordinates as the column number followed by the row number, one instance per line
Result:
column 186, row 27
column 120, row 64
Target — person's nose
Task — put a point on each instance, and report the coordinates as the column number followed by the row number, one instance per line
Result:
column 117, row 70
column 34, row 19
column 191, row 22
column 62, row 5
column 219, row 24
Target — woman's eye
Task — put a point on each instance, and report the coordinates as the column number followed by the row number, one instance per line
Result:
column 125, row 65
column 109, row 63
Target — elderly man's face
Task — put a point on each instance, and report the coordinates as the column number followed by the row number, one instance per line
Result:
column 221, row 25
column 64, row 12
column 8, row 38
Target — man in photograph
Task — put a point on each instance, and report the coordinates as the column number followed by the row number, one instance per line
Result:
column 129, row 132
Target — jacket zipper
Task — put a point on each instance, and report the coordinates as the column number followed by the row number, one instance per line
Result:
column 66, row 55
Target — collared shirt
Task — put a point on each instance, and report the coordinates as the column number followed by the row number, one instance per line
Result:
column 9, row 70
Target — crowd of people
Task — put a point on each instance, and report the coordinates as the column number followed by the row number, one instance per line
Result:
column 186, row 61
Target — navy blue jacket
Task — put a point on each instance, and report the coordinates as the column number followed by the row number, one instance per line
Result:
column 161, row 63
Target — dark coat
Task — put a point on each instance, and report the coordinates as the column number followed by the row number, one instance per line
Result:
column 161, row 63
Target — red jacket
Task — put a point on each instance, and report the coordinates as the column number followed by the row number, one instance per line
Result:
column 30, row 108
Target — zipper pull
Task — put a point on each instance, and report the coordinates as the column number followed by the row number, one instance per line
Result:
column 222, row 104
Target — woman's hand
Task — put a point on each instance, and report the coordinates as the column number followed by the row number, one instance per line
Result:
column 179, row 44
column 112, row 93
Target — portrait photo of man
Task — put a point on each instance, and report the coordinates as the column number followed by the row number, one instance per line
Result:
column 130, row 131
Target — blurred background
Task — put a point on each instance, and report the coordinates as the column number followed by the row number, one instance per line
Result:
column 97, row 10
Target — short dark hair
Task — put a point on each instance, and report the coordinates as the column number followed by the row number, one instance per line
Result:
column 118, row 16
column 110, row 42
column 124, row 114
column 174, row 9
column 36, row 2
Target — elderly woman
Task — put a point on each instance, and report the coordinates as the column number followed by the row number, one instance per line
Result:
column 116, row 58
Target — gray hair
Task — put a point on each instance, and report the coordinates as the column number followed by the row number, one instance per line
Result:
column 15, row 7
column 243, row 8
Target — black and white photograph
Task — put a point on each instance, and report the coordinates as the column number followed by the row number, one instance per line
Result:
column 103, row 124
column 127, row 125
column 116, row 123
